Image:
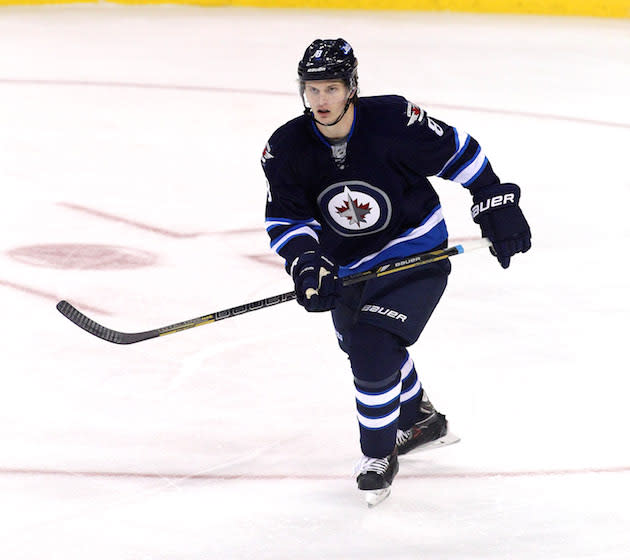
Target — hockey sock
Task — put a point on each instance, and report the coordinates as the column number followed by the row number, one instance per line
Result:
column 376, row 357
column 378, row 408
column 411, row 392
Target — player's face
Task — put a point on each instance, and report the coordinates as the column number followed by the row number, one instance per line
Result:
column 327, row 99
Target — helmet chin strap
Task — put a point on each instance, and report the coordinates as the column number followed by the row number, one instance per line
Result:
column 308, row 110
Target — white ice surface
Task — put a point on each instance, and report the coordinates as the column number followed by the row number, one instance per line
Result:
column 237, row 440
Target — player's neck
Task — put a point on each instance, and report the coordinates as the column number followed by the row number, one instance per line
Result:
column 341, row 129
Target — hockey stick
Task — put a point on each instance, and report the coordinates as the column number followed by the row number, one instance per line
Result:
column 117, row 337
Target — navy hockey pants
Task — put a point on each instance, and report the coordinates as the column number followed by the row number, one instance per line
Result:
column 375, row 322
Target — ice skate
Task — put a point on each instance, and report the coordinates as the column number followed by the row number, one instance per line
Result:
column 429, row 432
column 375, row 477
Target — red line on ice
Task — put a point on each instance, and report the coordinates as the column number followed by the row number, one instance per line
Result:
column 134, row 223
column 314, row 477
column 141, row 85
column 546, row 116
column 153, row 229
column 214, row 89
column 49, row 296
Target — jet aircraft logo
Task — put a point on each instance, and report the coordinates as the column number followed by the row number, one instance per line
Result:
column 352, row 210
column 355, row 207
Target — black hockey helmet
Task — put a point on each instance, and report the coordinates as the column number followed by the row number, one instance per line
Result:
column 329, row 59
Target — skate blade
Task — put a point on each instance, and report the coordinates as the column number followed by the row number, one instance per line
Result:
column 448, row 439
column 375, row 497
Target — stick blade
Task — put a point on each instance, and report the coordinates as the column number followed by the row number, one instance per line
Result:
column 80, row 320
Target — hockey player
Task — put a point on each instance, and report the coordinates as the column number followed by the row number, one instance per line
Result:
column 348, row 190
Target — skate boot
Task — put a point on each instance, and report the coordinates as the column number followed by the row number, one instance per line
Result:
column 375, row 477
column 430, row 431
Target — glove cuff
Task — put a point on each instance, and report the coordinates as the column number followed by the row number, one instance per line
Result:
column 489, row 199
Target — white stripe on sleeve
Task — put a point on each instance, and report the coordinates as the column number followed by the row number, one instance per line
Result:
column 304, row 230
column 469, row 171
column 461, row 144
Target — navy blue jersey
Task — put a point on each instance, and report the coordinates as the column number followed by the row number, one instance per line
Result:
column 374, row 202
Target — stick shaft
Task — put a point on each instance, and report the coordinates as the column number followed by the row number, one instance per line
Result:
column 416, row 260
column 117, row 337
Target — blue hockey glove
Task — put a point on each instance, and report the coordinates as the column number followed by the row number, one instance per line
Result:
column 501, row 220
column 316, row 286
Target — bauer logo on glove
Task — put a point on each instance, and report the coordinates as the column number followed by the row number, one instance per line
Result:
column 497, row 212
column 499, row 200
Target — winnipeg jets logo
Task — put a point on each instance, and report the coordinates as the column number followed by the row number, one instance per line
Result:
column 355, row 207
column 352, row 210
column 266, row 155
column 414, row 113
